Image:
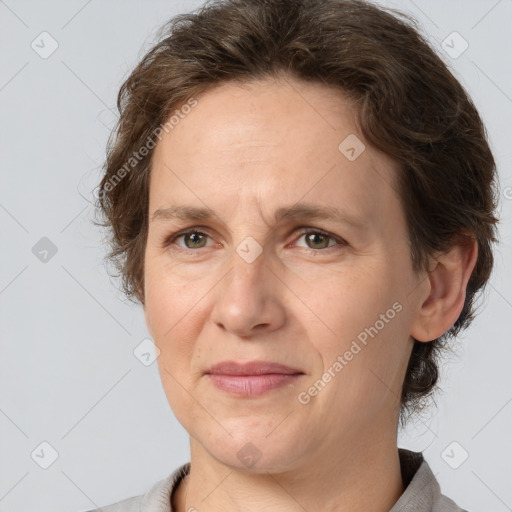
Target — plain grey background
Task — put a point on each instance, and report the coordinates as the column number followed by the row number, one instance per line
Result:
column 70, row 377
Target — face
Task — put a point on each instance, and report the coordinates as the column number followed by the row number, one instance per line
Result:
column 300, row 257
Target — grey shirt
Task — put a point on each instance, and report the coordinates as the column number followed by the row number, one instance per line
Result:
column 422, row 492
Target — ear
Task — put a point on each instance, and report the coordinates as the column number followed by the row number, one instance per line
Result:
column 446, row 290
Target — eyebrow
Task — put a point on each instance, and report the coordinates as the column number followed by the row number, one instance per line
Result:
column 294, row 212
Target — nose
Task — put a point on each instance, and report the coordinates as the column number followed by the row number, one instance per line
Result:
column 248, row 299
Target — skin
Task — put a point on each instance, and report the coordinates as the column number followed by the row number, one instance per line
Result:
column 244, row 151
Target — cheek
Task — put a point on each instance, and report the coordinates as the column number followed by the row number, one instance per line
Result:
column 343, row 304
column 172, row 315
column 168, row 297
column 171, row 311
column 360, row 331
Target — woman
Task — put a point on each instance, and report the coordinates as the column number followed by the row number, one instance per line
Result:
column 300, row 195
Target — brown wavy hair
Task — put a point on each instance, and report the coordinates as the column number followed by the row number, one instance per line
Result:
column 410, row 106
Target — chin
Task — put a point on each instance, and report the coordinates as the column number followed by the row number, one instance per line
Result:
column 254, row 449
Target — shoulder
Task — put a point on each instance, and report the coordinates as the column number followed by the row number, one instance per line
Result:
column 157, row 499
column 422, row 492
column 445, row 504
column 126, row 505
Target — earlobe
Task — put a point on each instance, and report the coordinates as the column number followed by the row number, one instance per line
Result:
column 448, row 281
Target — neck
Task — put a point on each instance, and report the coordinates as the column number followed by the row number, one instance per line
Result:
column 358, row 477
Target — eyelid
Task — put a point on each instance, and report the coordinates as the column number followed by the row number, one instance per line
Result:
column 310, row 229
column 203, row 230
column 168, row 240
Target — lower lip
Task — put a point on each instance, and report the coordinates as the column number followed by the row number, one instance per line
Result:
column 252, row 385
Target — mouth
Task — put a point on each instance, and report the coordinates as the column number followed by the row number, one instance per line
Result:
column 253, row 378
column 251, row 368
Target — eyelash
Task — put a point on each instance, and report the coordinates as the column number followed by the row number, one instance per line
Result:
column 301, row 231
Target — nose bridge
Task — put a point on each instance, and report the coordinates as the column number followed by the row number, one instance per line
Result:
column 248, row 276
column 247, row 260
column 252, row 230
column 248, row 295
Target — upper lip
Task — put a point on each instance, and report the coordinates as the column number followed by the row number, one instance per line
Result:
column 251, row 368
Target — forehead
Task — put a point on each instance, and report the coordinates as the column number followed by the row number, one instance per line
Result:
column 270, row 143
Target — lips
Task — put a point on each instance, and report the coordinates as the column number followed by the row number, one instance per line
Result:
column 252, row 379
column 252, row 368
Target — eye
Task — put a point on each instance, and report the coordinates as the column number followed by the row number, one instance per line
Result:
column 192, row 239
column 318, row 240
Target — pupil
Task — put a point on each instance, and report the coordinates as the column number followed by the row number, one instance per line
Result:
column 195, row 238
column 313, row 238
